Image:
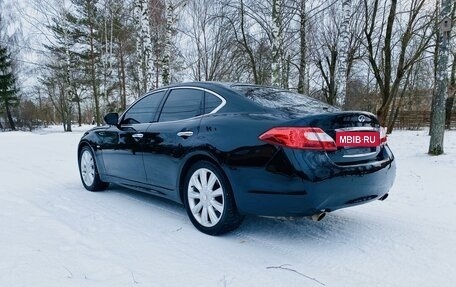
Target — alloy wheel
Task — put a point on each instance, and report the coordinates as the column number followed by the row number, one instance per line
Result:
column 87, row 168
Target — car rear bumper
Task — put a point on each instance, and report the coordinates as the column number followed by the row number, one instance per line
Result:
column 261, row 192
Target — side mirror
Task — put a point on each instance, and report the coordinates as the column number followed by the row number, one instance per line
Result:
column 112, row 119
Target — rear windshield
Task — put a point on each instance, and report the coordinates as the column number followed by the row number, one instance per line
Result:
column 284, row 100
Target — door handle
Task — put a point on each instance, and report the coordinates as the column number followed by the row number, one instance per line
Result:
column 185, row 134
column 138, row 136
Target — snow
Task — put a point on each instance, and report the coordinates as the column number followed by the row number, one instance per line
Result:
column 55, row 233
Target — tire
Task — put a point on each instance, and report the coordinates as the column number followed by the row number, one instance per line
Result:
column 89, row 172
column 209, row 199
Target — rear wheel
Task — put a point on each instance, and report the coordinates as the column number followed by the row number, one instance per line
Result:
column 89, row 172
column 209, row 200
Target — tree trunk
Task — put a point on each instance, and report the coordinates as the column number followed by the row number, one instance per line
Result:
column 448, row 111
column 93, row 68
column 343, row 46
column 277, row 44
column 144, row 45
column 438, row 115
column 449, row 104
column 332, row 63
column 329, row 76
column 123, row 88
column 382, row 112
column 302, row 80
column 286, row 72
column 10, row 117
column 165, row 69
column 79, row 111
column 436, row 60
column 247, row 47
column 69, row 124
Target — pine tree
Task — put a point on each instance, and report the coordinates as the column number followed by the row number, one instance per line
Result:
column 87, row 34
column 62, row 68
column 8, row 91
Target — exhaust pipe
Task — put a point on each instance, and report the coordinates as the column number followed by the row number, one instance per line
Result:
column 318, row 216
column 385, row 196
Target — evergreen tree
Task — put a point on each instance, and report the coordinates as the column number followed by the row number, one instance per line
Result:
column 62, row 71
column 87, row 34
column 8, row 91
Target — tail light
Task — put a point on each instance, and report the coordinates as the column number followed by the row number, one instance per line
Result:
column 383, row 137
column 309, row 138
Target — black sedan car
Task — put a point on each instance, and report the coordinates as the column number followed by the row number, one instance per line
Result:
column 225, row 150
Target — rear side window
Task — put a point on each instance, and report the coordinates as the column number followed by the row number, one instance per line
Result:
column 182, row 104
column 211, row 102
column 144, row 110
column 284, row 100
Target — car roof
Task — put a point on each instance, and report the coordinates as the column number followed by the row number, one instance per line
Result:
column 212, row 84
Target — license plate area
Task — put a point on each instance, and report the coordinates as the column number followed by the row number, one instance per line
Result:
column 357, row 139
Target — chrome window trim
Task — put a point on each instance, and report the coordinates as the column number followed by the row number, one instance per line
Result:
column 205, row 90
column 169, row 90
column 122, row 115
column 195, row 88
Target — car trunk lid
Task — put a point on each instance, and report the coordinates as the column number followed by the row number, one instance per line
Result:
column 339, row 122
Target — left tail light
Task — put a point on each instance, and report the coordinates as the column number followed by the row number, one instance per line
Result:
column 307, row 138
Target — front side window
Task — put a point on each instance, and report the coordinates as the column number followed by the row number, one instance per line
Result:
column 182, row 104
column 144, row 110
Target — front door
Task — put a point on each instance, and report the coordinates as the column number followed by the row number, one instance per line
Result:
column 122, row 152
column 123, row 145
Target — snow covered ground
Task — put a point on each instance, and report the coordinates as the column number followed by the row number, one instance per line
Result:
column 55, row 233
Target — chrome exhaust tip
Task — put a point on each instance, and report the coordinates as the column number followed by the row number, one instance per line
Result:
column 318, row 216
column 385, row 196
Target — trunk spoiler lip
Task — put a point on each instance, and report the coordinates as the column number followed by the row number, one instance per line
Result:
column 355, row 129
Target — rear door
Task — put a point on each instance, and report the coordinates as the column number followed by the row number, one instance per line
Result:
column 169, row 139
column 123, row 146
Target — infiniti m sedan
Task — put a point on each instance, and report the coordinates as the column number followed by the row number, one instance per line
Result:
column 225, row 150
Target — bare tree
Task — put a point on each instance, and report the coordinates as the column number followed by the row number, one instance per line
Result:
column 393, row 51
column 303, row 78
column 449, row 103
column 441, row 90
column 144, row 48
column 212, row 52
column 325, row 46
column 277, row 43
column 342, row 52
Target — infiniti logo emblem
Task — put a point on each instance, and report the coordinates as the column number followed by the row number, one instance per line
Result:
column 361, row 119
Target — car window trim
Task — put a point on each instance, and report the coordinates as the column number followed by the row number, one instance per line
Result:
column 193, row 88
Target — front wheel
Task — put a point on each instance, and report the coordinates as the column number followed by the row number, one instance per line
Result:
column 89, row 172
column 209, row 200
